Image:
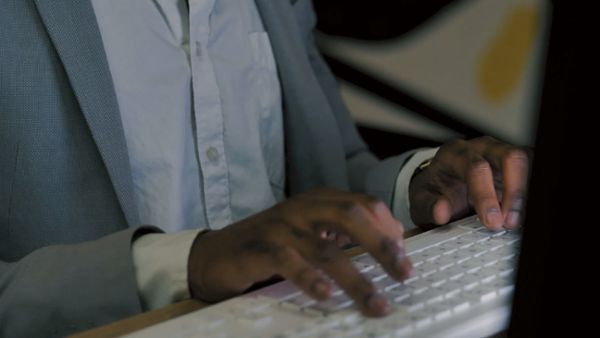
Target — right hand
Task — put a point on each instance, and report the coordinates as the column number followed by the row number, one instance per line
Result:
column 290, row 240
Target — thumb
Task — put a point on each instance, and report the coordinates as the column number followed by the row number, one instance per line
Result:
column 428, row 208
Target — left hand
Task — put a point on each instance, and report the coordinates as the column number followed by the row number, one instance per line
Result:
column 483, row 173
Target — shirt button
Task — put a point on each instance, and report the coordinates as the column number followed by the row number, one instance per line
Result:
column 213, row 154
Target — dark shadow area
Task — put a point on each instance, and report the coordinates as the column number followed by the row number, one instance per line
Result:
column 385, row 144
column 375, row 19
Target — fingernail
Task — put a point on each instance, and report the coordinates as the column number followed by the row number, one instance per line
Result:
column 404, row 265
column 378, row 304
column 513, row 218
column 321, row 289
column 494, row 218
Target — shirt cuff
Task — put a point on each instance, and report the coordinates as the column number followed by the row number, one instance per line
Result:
column 160, row 263
column 401, row 201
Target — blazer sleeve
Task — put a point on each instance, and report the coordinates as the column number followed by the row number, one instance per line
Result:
column 366, row 173
column 62, row 289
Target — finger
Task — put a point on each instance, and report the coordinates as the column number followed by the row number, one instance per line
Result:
column 336, row 264
column 369, row 223
column 515, row 171
column 480, row 183
column 290, row 264
column 430, row 208
column 441, row 211
column 342, row 240
column 432, row 205
column 377, row 207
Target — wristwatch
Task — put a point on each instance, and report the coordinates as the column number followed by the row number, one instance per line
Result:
column 422, row 167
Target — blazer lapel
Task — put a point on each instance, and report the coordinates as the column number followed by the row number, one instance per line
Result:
column 74, row 32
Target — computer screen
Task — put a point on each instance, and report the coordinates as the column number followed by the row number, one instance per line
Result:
column 547, row 292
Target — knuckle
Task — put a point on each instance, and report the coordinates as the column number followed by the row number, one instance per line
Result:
column 374, row 203
column 390, row 247
column 327, row 253
column 261, row 246
column 352, row 208
column 517, row 200
column 516, row 156
column 363, row 286
column 488, row 140
column 487, row 200
column 400, row 229
column 479, row 166
column 282, row 256
column 278, row 212
column 457, row 146
column 299, row 233
column 273, row 221
column 305, row 276
column 518, row 194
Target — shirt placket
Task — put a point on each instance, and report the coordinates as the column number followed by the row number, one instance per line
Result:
column 208, row 113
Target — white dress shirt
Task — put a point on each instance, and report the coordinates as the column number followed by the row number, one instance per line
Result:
column 201, row 108
column 200, row 103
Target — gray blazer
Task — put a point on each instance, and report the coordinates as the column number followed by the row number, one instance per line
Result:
column 67, row 215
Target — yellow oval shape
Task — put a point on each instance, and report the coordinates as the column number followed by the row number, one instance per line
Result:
column 502, row 64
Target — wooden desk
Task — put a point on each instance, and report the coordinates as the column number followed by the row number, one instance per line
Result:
column 149, row 318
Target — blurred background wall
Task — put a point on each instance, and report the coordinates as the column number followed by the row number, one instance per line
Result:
column 417, row 73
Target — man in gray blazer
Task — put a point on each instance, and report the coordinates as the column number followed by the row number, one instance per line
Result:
column 76, row 187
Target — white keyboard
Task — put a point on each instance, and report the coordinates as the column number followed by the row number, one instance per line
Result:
column 462, row 287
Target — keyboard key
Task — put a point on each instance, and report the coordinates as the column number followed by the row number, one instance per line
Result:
column 363, row 266
column 476, row 237
column 472, row 222
column 478, row 249
column 411, row 280
column 281, row 291
column 425, row 269
column 332, row 304
column 435, row 279
column 414, row 302
column 450, row 250
column 377, row 333
column 298, row 302
column 506, row 252
column 376, row 274
column 256, row 319
column 444, row 262
column 482, row 293
column 458, row 304
column 396, row 324
column 471, row 266
column 439, row 311
column 397, row 295
column 356, row 331
column 494, row 243
column 386, row 284
column 506, row 290
column 454, row 272
column 419, row 286
column 420, row 319
column 433, row 257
